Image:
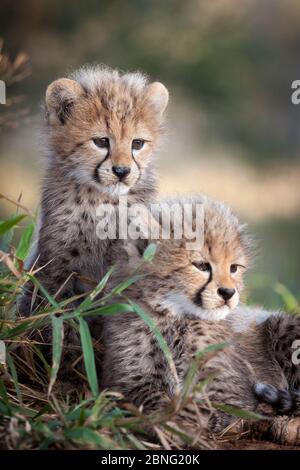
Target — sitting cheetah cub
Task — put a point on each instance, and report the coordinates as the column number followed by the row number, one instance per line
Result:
column 185, row 291
column 102, row 128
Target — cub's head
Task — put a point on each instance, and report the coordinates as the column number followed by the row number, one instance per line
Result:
column 103, row 126
column 202, row 280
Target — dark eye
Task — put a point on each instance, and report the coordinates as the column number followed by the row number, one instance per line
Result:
column 202, row 266
column 102, row 143
column 233, row 268
column 137, row 144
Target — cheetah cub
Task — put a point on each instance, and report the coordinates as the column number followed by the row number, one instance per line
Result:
column 192, row 295
column 102, row 127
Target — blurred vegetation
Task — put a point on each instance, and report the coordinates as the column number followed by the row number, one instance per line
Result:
column 277, row 262
column 11, row 73
column 237, row 61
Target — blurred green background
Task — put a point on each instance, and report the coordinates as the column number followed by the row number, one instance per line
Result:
column 232, row 130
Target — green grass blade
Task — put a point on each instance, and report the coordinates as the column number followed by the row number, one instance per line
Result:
column 238, row 412
column 188, row 382
column 3, row 392
column 25, row 242
column 88, row 355
column 5, row 240
column 89, row 300
column 134, row 440
column 14, row 375
column 153, row 327
column 290, row 302
column 149, row 253
column 19, row 329
column 45, row 409
column 5, row 409
column 46, row 443
column 2, row 353
column 49, row 297
column 88, row 436
column 125, row 284
column 109, row 310
column 9, row 224
column 57, row 345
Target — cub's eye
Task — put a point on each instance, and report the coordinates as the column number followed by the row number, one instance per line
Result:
column 235, row 267
column 137, row 144
column 202, row 266
column 101, row 142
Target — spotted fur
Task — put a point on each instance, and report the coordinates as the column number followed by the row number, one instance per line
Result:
column 94, row 103
column 257, row 351
column 169, row 292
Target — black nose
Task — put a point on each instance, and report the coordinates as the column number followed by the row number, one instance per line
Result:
column 226, row 293
column 121, row 171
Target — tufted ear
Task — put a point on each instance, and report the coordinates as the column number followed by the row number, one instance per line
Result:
column 60, row 96
column 158, row 96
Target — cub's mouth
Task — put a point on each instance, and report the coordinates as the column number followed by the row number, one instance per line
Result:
column 202, row 302
column 116, row 189
column 180, row 304
column 215, row 314
column 224, row 297
column 116, row 178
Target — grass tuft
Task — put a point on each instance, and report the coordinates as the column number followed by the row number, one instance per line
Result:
column 37, row 410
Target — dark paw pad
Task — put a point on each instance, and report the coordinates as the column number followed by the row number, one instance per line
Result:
column 284, row 401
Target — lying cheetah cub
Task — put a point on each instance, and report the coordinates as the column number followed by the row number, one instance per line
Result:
column 185, row 292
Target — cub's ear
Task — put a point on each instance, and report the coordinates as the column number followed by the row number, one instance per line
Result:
column 60, row 96
column 158, row 96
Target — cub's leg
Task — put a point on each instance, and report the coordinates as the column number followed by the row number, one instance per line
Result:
column 285, row 402
column 134, row 363
column 281, row 429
